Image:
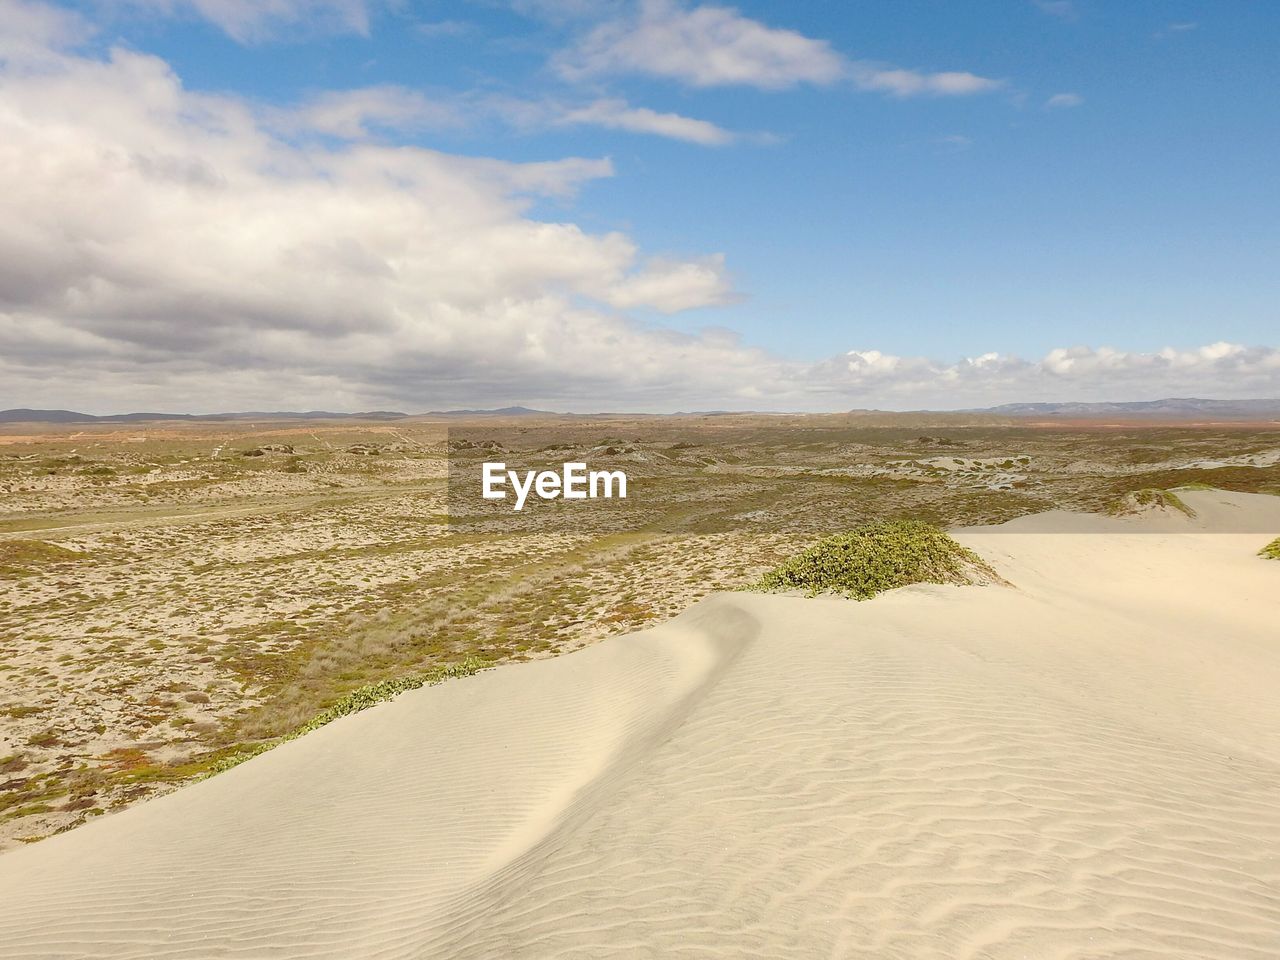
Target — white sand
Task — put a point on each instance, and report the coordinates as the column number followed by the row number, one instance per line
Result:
column 1083, row 765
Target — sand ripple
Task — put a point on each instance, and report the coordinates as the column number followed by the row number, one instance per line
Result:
column 1085, row 766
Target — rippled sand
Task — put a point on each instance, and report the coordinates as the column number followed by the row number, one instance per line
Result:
column 1085, row 763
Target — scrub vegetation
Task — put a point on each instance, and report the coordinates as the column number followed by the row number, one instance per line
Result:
column 878, row 557
column 174, row 596
column 1271, row 551
column 359, row 699
column 1151, row 498
column 21, row 557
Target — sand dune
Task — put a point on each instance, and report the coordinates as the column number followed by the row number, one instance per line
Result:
column 1085, row 763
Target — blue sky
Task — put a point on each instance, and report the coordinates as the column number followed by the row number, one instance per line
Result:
column 923, row 184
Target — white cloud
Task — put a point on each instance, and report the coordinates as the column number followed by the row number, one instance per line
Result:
column 367, row 111
column 33, row 31
column 248, row 21
column 1068, row 373
column 1061, row 101
column 167, row 237
column 608, row 113
column 357, row 114
column 672, row 286
column 170, row 249
column 863, row 364
column 618, row 115
column 711, row 46
column 913, row 83
column 705, row 46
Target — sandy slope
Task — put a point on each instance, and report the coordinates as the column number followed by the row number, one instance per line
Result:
column 1086, row 765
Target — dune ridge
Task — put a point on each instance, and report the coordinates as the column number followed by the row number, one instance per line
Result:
column 1082, row 764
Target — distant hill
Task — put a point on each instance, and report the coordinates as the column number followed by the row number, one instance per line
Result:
column 1170, row 407
column 1173, row 407
column 71, row 416
column 498, row 412
column 43, row 416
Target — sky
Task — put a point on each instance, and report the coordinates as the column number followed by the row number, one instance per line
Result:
column 636, row 205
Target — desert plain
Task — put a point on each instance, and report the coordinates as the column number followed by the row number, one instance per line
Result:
column 602, row 743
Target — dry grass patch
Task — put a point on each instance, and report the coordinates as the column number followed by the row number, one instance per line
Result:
column 21, row 557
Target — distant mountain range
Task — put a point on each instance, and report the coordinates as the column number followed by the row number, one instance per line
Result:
column 23, row 415
column 1153, row 409
column 71, row 416
column 499, row 412
column 1171, row 407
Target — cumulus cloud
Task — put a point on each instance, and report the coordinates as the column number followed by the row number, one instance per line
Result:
column 168, row 237
column 672, row 286
column 1065, row 373
column 35, row 31
column 170, row 249
column 705, row 46
column 712, row 46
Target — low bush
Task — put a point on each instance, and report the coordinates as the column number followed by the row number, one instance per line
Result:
column 1152, row 498
column 877, row 557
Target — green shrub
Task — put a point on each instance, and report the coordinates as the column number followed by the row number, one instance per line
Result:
column 1151, row 498
column 1271, row 551
column 877, row 557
